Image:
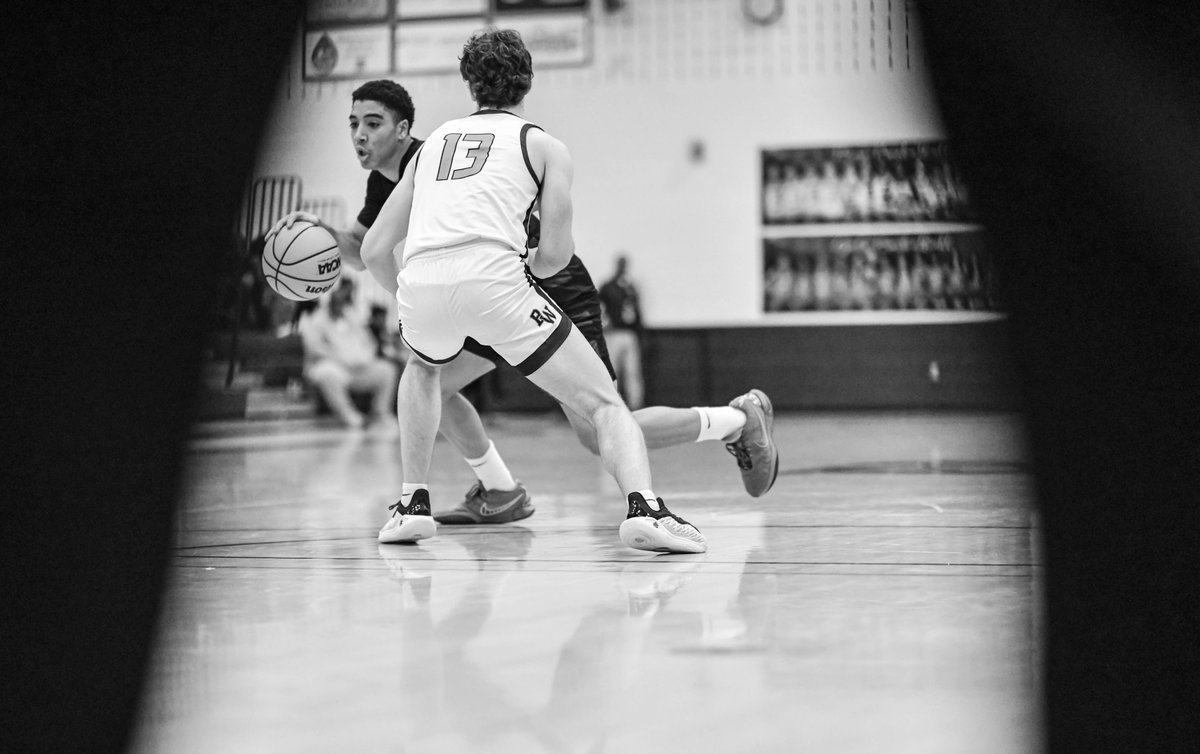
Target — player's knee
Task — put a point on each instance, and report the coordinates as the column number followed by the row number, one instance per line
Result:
column 449, row 392
column 606, row 413
column 594, row 403
column 587, row 438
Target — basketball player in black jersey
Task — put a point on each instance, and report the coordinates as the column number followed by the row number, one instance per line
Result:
column 381, row 119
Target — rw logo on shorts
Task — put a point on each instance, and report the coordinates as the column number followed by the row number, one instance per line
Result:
column 544, row 316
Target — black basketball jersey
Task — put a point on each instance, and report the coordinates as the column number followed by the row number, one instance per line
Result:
column 572, row 288
column 379, row 188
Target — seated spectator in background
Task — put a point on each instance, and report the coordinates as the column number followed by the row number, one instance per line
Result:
column 341, row 357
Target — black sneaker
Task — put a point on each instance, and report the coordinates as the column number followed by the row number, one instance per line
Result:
column 658, row 530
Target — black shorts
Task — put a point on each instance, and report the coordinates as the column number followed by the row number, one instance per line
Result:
column 575, row 293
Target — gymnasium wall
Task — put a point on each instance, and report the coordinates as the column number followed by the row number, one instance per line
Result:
column 667, row 123
column 665, row 76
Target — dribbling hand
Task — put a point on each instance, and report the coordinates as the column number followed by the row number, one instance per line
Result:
column 290, row 219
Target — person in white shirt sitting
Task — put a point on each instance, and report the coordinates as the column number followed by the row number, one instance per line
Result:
column 341, row 358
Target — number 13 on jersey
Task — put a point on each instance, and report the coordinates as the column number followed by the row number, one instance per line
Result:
column 478, row 146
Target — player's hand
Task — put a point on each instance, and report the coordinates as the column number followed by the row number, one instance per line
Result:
column 290, row 219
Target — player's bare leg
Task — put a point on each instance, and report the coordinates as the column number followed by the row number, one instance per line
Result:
column 745, row 426
column 419, row 407
column 460, row 423
column 496, row 497
column 662, row 427
column 576, row 378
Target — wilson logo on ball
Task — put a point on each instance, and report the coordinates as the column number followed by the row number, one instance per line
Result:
column 301, row 262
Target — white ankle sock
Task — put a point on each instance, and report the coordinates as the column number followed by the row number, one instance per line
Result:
column 720, row 423
column 407, row 490
column 650, row 497
column 491, row 470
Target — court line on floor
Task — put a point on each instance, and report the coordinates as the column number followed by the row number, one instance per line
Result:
column 676, row 559
column 466, row 530
column 548, row 532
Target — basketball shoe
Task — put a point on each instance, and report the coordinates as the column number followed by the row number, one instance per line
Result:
column 755, row 450
column 489, row 507
column 658, row 530
column 409, row 522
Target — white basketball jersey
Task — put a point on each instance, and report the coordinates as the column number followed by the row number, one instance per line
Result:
column 473, row 183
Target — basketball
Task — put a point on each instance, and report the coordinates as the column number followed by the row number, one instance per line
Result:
column 301, row 262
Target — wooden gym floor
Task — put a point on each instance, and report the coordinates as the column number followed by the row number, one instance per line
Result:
column 883, row 597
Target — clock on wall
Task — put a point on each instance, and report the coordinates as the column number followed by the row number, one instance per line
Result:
column 762, row 11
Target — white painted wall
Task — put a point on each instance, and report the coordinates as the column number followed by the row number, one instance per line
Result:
column 664, row 75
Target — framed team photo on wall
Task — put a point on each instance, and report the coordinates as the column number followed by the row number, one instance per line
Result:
column 884, row 230
column 927, row 272
column 907, row 182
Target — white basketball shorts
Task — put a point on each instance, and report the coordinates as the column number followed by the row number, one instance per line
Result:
column 483, row 291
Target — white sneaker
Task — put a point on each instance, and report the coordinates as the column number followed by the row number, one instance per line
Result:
column 409, row 523
column 658, row 530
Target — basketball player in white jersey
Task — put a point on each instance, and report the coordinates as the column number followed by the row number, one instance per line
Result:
column 381, row 119
column 461, row 210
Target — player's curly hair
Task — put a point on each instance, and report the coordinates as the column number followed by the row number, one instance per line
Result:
column 389, row 94
column 497, row 67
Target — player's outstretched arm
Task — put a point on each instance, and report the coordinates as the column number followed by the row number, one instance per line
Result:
column 388, row 231
column 350, row 244
column 349, row 240
column 557, row 243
